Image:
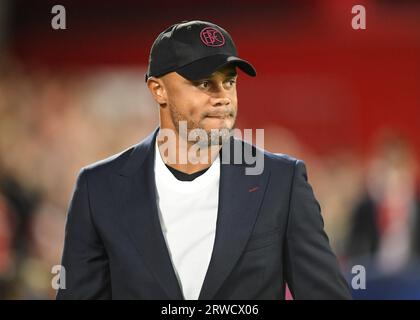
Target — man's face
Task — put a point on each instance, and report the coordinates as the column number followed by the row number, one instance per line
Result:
column 209, row 103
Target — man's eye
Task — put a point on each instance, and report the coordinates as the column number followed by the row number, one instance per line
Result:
column 204, row 84
column 231, row 82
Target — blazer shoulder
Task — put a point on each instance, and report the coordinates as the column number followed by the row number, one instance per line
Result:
column 270, row 156
column 110, row 164
column 125, row 162
column 281, row 157
column 281, row 160
column 278, row 160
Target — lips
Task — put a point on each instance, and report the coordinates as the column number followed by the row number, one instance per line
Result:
column 218, row 116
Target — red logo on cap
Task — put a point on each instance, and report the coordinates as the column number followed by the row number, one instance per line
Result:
column 212, row 37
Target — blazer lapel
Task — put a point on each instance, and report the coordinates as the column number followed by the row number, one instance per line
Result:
column 240, row 198
column 135, row 191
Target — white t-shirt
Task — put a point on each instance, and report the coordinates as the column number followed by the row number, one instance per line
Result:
column 188, row 214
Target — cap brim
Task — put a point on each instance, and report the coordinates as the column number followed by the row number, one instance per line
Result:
column 204, row 67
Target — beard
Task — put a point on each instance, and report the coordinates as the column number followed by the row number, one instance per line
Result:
column 214, row 136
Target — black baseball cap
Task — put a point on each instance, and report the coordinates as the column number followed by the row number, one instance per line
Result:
column 194, row 49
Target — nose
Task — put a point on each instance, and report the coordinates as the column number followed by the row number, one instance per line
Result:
column 220, row 97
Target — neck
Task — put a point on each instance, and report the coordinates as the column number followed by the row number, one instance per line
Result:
column 185, row 156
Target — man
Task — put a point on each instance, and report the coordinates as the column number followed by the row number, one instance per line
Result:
column 170, row 219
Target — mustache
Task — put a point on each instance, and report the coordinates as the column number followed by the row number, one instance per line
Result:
column 223, row 113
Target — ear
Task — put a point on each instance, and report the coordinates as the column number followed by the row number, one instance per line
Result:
column 157, row 88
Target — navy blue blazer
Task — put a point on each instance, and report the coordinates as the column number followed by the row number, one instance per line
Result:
column 269, row 231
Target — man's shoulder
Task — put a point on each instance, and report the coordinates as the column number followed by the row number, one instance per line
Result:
column 280, row 158
column 124, row 161
column 110, row 164
column 270, row 157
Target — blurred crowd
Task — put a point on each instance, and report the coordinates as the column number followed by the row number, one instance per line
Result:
column 51, row 125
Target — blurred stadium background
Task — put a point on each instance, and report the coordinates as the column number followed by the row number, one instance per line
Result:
column 345, row 101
